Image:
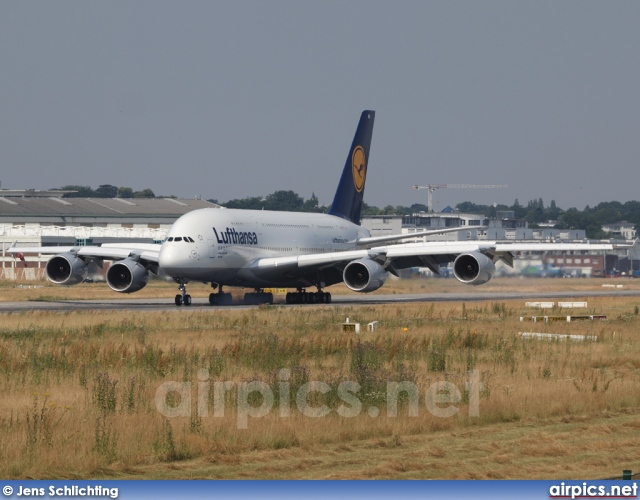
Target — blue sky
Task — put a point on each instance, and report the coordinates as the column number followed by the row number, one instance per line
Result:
column 234, row 99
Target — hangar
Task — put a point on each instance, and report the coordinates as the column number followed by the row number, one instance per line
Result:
column 47, row 218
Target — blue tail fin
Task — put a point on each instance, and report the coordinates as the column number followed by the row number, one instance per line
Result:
column 348, row 200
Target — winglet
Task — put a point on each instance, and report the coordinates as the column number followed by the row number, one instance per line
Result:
column 635, row 248
column 347, row 202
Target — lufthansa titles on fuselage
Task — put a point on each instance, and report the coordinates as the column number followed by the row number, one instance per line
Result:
column 232, row 237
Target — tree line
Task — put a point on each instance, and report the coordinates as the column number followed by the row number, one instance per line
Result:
column 534, row 212
column 591, row 218
column 105, row 191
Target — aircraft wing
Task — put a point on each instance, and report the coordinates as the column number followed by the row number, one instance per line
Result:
column 372, row 240
column 495, row 250
column 109, row 251
column 430, row 254
column 408, row 255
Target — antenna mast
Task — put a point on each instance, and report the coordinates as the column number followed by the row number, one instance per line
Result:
column 432, row 187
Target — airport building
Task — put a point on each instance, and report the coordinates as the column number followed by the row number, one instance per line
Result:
column 504, row 227
column 623, row 229
column 46, row 218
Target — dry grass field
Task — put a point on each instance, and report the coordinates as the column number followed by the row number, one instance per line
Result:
column 81, row 393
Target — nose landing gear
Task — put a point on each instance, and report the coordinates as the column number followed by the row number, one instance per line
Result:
column 183, row 297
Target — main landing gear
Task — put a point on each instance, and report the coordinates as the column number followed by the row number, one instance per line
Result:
column 252, row 299
column 183, row 297
column 220, row 298
column 258, row 297
column 304, row 297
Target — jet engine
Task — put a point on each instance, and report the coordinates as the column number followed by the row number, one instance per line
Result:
column 66, row 269
column 364, row 275
column 473, row 268
column 127, row 276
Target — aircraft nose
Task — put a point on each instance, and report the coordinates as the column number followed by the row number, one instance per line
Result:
column 168, row 258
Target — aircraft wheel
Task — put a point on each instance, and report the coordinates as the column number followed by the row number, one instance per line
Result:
column 187, row 300
column 327, row 298
column 178, row 300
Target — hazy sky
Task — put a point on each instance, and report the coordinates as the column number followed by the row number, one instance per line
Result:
column 242, row 98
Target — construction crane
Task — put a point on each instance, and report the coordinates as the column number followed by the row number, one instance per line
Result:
column 432, row 187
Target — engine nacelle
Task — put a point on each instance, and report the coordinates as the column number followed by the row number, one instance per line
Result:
column 364, row 275
column 127, row 276
column 66, row 269
column 473, row 268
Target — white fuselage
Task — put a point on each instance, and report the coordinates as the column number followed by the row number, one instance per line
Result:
column 220, row 245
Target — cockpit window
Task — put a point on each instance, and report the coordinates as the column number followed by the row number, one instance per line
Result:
column 187, row 239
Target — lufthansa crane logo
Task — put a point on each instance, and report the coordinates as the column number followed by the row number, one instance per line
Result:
column 358, row 168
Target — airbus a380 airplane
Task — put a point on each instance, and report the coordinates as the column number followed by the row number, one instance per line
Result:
column 259, row 249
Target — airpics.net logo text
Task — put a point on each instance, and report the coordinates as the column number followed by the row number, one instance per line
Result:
column 256, row 399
